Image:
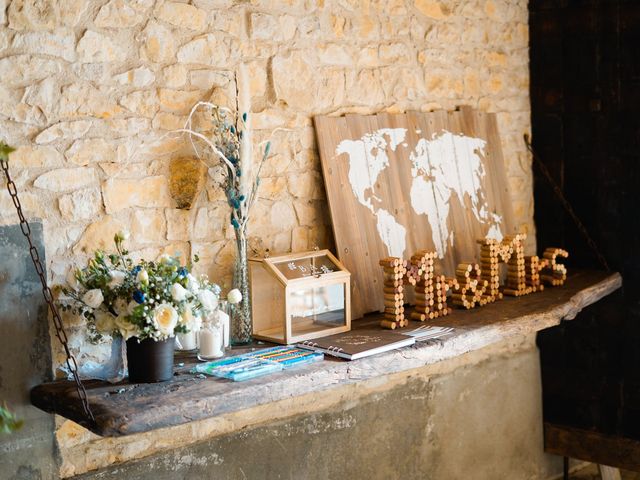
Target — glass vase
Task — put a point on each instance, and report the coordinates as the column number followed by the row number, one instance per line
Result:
column 241, row 321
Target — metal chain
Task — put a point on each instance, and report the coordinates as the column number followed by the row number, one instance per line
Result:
column 567, row 206
column 46, row 292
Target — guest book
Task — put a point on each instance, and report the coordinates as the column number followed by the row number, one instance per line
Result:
column 358, row 343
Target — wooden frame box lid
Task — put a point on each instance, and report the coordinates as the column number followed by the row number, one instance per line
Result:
column 299, row 296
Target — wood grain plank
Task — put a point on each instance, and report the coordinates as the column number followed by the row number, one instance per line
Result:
column 421, row 234
column 369, row 277
column 344, row 216
column 592, row 446
column 474, row 230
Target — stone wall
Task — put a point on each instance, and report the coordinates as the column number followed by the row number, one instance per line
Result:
column 91, row 90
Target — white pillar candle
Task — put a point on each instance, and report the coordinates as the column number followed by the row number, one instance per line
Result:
column 186, row 341
column 211, row 343
column 225, row 322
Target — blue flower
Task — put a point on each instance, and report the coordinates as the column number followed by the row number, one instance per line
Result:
column 182, row 272
column 139, row 296
column 216, row 289
column 136, row 269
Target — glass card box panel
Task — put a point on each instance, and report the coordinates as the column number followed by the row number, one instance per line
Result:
column 315, row 309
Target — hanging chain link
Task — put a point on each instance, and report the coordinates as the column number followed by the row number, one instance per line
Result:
column 567, row 206
column 46, row 292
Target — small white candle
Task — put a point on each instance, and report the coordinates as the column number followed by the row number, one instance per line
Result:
column 211, row 342
column 187, row 341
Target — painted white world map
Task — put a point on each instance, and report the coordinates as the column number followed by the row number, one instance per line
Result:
column 443, row 166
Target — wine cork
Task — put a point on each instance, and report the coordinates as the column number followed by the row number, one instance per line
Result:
column 388, row 324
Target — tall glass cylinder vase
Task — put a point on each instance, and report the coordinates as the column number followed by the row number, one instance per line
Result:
column 241, row 321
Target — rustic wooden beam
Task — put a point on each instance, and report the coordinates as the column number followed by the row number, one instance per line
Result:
column 125, row 409
column 615, row 451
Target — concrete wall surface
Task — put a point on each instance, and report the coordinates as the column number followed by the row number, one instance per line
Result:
column 25, row 359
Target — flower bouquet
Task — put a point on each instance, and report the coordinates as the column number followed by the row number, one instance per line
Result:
column 145, row 303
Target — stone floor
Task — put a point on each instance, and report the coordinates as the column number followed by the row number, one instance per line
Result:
column 591, row 473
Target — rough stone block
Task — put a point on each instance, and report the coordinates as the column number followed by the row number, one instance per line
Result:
column 64, row 130
column 121, row 193
column 182, row 15
column 175, row 76
column 159, row 43
column 36, row 157
column 60, row 43
column 143, row 102
column 120, row 14
column 63, row 179
column 179, row 224
column 137, row 77
column 99, row 235
column 84, row 152
column 205, row 79
column 20, row 70
column 148, row 225
column 204, row 50
column 81, row 205
column 98, row 47
column 178, row 101
column 211, row 223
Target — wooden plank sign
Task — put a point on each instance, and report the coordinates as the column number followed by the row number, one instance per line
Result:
column 398, row 184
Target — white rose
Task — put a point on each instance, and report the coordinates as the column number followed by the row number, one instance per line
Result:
column 208, row 300
column 126, row 328
column 189, row 320
column 165, row 319
column 165, row 258
column 105, row 322
column 72, row 280
column 234, row 296
column 178, row 292
column 93, row 298
column 117, row 278
column 120, row 306
column 192, row 283
column 142, row 277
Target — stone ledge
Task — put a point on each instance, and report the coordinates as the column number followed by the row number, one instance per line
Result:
column 185, row 399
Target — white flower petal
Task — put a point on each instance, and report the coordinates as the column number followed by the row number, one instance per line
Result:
column 234, row 296
column 93, row 298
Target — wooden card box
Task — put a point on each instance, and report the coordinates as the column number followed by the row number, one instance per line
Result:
column 299, row 297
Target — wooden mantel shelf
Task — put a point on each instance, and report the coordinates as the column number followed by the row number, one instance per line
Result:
column 126, row 409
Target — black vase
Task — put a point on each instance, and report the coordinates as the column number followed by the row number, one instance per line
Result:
column 150, row 361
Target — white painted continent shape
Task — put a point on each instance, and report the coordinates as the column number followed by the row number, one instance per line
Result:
column 392, row 233
column 367, row 159
column 443, row 166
